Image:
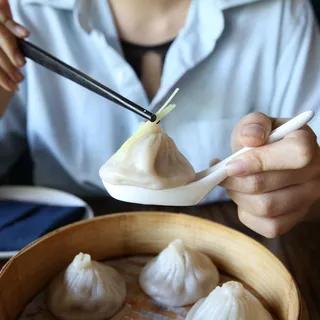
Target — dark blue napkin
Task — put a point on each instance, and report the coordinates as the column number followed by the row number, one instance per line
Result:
column 23, row 222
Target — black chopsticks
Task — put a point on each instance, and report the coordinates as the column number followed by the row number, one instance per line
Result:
column 52, row 63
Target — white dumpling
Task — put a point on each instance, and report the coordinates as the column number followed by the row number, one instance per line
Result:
column 179, row 276
column 150, row 159
column 86, row 290
column 229, row 302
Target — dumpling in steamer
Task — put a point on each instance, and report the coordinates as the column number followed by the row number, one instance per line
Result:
column 179, row 276
column 231, row 301
column 86, row 290
column 150, row 159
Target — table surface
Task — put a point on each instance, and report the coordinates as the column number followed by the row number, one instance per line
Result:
column 299, row 249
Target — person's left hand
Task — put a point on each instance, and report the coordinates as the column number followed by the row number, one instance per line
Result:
column 274, row 185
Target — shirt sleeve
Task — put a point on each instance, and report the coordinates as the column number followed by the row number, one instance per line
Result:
column 13, row 140
column 297, row 77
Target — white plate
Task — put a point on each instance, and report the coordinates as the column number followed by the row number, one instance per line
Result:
column 43, row 196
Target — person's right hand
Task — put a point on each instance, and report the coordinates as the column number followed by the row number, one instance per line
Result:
column 11, row 59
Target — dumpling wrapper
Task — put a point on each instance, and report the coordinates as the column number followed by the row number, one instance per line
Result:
column 179, row 276
column 229, row 302
column 86, row 290
column 150, row 159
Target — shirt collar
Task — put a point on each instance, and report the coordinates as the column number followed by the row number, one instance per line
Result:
column 83, row 8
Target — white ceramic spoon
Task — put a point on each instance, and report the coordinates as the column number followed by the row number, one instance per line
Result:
column 205, row 181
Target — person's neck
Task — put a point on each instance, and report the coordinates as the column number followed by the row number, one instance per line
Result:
column 149, row 22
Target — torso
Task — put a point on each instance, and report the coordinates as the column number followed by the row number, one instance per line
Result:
column 72, row 132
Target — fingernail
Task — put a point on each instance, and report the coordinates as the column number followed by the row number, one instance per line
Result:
column 253, row 131
column 18, row 76
column 16, row 29
column 20, row 59
column 236, row 168
column 20, row 30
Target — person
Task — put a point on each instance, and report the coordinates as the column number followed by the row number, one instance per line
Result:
column 243, row 67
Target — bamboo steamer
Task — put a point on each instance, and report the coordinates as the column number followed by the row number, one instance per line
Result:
column 140, row 233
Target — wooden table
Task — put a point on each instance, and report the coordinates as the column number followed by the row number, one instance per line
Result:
column 299, row 249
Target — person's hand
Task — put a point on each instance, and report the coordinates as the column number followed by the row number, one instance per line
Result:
column 274, row 185
column 11, row 59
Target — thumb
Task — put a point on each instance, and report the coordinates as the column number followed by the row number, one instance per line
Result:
column 252, row 131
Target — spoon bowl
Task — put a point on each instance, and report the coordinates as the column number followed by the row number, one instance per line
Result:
column 206, row 180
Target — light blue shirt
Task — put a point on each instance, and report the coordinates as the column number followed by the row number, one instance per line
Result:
column 232, row 57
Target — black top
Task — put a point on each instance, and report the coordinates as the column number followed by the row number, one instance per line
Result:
column 133, row 53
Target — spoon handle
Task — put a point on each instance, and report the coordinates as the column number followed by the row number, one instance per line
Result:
column 277, row 134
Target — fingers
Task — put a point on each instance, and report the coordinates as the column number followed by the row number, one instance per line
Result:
column 9, row 46
column 273, row 185
column 13, row 72
column 271, row 227
column 18, row 30
column 296, row 151
column 263, row 182
column 11, row 59
column 252, row 131
column 6, row 19
column 277, row 203
column 7, row 83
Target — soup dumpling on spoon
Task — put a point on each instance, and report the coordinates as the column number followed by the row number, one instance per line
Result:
column 149, row 159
